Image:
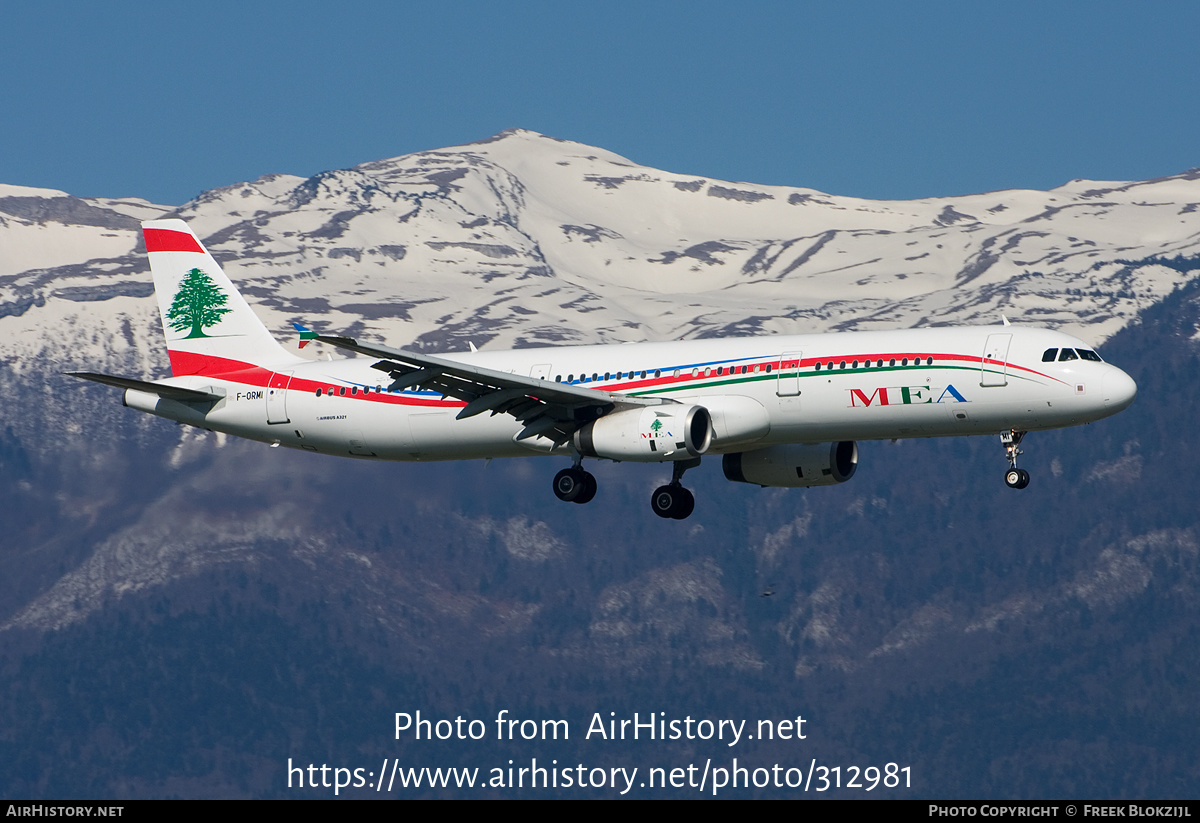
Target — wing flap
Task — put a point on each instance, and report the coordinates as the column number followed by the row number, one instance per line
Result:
column 539, row 425
column 493, row 401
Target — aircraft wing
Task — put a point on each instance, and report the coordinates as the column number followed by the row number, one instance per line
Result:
column 550, row 409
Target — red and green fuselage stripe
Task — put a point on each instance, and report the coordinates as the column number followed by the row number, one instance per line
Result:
column 188, row 363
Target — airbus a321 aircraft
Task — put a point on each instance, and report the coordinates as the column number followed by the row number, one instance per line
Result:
column 781, row 411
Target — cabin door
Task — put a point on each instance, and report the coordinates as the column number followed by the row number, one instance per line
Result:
column 788, row 382
column 993, row 369
column 277, row 397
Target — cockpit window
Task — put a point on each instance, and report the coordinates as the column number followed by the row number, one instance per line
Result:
column 1049, row 355
column 1067, row 354
column 1089, row 355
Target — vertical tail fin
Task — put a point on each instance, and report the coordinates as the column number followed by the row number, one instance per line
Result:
column 208, row 325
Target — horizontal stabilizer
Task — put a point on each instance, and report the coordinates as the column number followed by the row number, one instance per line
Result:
column 171, row 392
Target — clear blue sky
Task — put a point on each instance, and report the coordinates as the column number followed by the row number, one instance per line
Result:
column 874, row 99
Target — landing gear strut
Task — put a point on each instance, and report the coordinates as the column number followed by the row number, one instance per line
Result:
column 673, row 500
column 1014, row 477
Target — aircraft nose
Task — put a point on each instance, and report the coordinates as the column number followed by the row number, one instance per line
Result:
column 1119, row 389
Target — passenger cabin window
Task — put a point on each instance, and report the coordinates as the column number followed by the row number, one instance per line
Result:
column 1067, row 354
column 1049, row 355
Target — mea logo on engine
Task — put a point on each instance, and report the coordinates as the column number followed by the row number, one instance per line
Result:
column 657, row 430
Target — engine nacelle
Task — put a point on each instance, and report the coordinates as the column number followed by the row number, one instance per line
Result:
column 650, row 435
column 793, row 466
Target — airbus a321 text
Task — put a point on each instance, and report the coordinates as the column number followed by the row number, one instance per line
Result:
column 780, row 410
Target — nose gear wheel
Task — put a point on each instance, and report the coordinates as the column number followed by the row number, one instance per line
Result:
column 1015, row 478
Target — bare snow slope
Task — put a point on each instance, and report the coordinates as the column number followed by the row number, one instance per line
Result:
column 523, row 239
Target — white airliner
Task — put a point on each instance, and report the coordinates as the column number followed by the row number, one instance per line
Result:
column 782, row 410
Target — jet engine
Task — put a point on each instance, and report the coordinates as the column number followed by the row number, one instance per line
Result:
column 815, row 464
column 649, row 435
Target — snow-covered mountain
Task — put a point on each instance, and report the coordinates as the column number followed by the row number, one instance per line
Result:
column 523, row 239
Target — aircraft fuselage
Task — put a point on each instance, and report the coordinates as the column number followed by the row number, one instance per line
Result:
column 806, row 388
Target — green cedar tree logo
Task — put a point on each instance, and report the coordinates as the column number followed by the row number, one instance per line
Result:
column 197, row 304
column 656, row 425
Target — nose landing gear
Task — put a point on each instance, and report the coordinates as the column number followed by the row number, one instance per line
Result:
column 1014, row 477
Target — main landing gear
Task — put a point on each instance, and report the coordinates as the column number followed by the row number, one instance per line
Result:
column 574, row 485
column 1014, row 477
column 673, row 501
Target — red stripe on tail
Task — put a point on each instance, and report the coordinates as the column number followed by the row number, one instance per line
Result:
column 167, row 240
